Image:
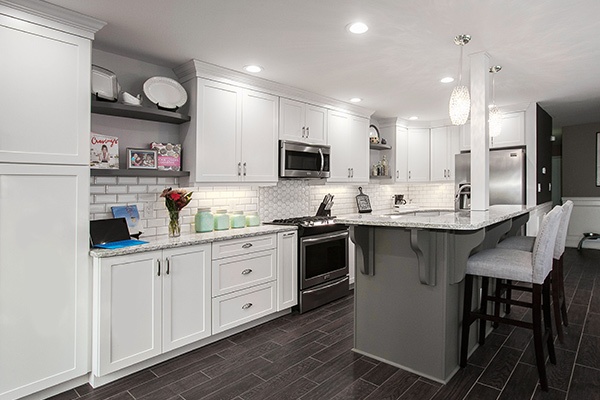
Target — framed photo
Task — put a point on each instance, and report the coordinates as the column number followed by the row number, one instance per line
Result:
column 141, row 159
column 169, row 156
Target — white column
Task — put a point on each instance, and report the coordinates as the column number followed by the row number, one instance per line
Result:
column 480, row 193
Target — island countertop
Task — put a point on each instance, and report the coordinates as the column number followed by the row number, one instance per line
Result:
column 445, row 219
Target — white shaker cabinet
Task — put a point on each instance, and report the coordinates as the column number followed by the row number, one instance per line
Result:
column 44, row 276
column 149, row 303
column 418, row 154
column 287, row 270
column 233, row 134
column 349, row 141
column 401, row 160
column 511, row 135
column 302, row 122
column 444, row 146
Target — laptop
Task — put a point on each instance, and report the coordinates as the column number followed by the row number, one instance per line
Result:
column 111, row 233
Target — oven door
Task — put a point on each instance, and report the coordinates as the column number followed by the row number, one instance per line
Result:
column 323, row 258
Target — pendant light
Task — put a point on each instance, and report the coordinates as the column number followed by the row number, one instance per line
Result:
column 460, row 100
column 495, row 120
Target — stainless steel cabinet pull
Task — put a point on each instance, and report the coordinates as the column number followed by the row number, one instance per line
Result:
column 246, row 306
column 308, row 131
column 246, row 245
column 408, row 174
column 246, row 271
column 303, row 131
column 288, row 234
column 158, row 271
column 348, row 172
column 168, row 266
column 244, row 169
column 397, row 174
column 352, row 170
column 239, row 168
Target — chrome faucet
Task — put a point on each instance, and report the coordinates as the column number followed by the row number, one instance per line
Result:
column 461, row 199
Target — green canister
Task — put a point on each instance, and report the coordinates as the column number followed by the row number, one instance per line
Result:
column 221, row 220
column 252, row 219
column 205, row 221
column 238, row 220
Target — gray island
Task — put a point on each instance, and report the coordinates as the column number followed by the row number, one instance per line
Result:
column 408, row 285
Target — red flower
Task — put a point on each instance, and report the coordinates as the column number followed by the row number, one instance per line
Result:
column 175, row 196
column 176, row 199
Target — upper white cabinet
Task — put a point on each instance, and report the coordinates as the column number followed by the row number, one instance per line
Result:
column 512, row 134
column 418, row 154
column 233, row 134
column 349, row 139
column 444, row 146
column 45, row 101
column 302, row 122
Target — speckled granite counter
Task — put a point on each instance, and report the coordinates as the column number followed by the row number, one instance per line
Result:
column 437, row 218
column 164, row 242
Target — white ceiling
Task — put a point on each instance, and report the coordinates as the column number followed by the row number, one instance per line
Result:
column 549, row 49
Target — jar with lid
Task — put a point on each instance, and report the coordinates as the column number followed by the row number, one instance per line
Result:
column 238, row 220
column 252, row 219
column 221, row 220
column 384, row 166
column 204, row 220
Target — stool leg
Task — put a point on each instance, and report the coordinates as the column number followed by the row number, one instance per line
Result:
column 508, row 296
column 538, row 336
column 497, row 303
column 466, row 321
column 563, row 301
column 556, row 300
column 485, row 285
column 548, row 319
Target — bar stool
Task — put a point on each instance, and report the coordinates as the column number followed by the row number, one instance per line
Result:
column 522, row 266
column 526, row 243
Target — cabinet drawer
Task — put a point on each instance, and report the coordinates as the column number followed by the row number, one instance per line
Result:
column 237, row 308
column 235, row 273
column 236, row 247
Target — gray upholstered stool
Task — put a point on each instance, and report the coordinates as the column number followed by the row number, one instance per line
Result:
column 526, row 243
column 516, row 265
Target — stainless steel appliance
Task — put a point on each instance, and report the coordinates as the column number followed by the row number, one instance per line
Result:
column 507, row 176
column 322, row 260
column 302, row 160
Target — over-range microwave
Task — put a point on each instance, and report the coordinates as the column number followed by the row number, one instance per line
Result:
column 302, row 160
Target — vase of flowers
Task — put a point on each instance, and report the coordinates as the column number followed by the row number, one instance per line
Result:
column 175, row 200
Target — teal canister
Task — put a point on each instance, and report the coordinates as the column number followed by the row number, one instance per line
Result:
column 205, row 221
column 238, row 220
column 221, row 220
column 252, row 219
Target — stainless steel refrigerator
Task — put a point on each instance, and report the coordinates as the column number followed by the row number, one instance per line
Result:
column 507, row 175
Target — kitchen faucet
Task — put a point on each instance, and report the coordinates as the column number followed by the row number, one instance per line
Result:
column 460, row 199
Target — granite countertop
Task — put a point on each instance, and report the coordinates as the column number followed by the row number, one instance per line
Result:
column 428, row 218
column 164, row 242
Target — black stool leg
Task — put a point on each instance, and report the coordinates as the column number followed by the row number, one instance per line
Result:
column 508, row 296
column 498, row 295
column 466, row 321
column 563, row 300
column 556, row 300
column 538, row 336
column 548, row 319
column 485, row 285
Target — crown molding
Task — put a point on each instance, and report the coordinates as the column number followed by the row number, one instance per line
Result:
column 199, row 69
column 52, row 16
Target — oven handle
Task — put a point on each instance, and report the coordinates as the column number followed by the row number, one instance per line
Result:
column 322, row 162
column 325, row 237
column 334, row 283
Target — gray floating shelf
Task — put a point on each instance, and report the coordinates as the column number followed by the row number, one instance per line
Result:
column 138, row 112
column 375, row 146
column 138, row 172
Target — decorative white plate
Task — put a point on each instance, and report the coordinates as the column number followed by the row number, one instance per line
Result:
column 165, row 92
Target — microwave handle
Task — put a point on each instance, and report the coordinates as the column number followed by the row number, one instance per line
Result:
column 322, row 162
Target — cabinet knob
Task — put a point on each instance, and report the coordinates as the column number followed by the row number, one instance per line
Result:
column 246, row 306
column 246, row 271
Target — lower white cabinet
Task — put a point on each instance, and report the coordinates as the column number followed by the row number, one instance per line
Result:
column 287, row 270
column 149, row 303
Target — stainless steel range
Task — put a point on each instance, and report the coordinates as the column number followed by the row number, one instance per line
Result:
column 322, row 260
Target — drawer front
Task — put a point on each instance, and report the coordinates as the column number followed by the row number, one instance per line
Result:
column 237, row 308
column 237, row 247
column 241, row 272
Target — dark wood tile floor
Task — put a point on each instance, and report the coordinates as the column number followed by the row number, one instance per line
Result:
column 309, row 357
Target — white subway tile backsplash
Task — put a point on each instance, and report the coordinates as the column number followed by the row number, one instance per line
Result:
column 147, row 181
column 97, row 208
column 116, row 189
column 105, row 198
column 127, row 180
column 166, row 181
column 105, row 180
column 101, row 189
column 127, row 198
column 138, row 189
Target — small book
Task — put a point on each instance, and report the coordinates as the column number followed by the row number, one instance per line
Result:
column 130, row 213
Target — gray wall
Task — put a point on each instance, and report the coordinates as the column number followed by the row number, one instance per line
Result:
column 579, row 160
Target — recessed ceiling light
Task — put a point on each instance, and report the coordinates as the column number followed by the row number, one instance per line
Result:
column 357, row 27
column 356, row 100
column 447, row 79
column 414, row 118
column 253, row 68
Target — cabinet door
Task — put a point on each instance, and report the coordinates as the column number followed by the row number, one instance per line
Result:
column 129, row 310
column 45, row 101
column 453, row 149
column 287, row 270
column 418, row 155
column 339, row 139
column 401, row 160
column 465, row 137
column 439, row 154
column 316, row 124
column 44, row 276
column 359, row 147
column 292, row 116
column 259, row 137
column 513, row 131
column 186, row 295
column 218, row 149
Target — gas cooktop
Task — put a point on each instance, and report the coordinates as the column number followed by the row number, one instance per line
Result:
column 305, row 221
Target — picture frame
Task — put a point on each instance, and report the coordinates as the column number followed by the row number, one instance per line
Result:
column 141, row 158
